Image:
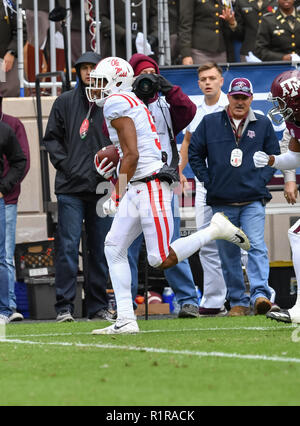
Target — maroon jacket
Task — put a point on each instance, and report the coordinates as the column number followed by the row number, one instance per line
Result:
column 18, row 128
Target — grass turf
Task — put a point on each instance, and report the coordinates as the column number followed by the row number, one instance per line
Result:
column 173, row 362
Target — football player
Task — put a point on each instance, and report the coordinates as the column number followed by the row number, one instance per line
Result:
column 141, row 200
column 285, row 95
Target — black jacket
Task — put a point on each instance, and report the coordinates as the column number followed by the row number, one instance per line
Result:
column 248, row 17
column 10, row 147
column 201, row 28
column 120, row 24
column 72, row 156
column 275, row 38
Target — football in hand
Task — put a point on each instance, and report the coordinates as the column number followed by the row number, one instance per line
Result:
column 111, row 153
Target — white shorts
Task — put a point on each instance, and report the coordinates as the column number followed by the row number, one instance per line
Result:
column 146, row 207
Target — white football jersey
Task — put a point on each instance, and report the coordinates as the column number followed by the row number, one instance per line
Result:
column 160, row 111
column 126, row 104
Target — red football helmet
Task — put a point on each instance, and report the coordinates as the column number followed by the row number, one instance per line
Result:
column 285, row 95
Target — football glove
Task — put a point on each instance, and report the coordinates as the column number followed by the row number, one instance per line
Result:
column 260, row 159
column 111, row 205
column 164, row 85
column 105, row 170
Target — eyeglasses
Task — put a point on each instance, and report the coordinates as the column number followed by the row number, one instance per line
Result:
column 240, row 89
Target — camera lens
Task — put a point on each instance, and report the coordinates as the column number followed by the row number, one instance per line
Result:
column 146, row 86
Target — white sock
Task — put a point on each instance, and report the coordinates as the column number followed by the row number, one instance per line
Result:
column 295, row 310
column 296, row 307
column 120, row 276
column 186, row 246
column 297, row 303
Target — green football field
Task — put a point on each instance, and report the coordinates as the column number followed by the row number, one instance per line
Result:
column 172, row 362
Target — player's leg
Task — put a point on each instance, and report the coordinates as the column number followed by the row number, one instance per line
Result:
column 133, row 258
column 157, row 221
column 294, row 237
column 220, row 228
column 293, row 314
column 158, row 228
column 96, row 230
column 180, row 276
column 125, row 228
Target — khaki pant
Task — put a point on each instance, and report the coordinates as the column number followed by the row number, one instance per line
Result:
column 202, row 56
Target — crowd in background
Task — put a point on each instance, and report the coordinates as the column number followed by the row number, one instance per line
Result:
column 221, row 31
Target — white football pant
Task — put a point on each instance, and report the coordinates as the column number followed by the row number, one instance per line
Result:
column 146, row 207
column 214, row 287
column 294, row 238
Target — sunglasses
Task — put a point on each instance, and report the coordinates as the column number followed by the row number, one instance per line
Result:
column 240, row 89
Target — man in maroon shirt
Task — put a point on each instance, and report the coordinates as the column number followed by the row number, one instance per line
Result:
column 11, row 206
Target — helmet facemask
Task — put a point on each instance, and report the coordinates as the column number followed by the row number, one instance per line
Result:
column 285, row 96
column 280, row 111
column 98, row 90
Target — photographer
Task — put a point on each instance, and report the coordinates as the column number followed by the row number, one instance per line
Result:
column 171, row 115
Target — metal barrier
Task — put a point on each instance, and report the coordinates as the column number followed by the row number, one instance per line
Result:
column 54, row 83
column 90, row 15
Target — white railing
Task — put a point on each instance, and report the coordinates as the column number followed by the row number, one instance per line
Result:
column 89, row 11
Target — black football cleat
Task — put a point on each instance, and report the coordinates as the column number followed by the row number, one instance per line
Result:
column 281, row 316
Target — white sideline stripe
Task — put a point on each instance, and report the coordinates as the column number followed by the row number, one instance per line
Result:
column 156, row 350
column 162, row 331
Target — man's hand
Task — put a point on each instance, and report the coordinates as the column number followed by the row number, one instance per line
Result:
column 164, row 85
column 261, row 159
column 290, row 192
column 111, row 205
column 8, row 61
column 287, row 57
column 228, row 15
column 184, row 184
column 183, row 180
column 1, row 195
column 105, row 170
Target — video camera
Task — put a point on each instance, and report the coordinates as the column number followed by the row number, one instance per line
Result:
column 146, row 86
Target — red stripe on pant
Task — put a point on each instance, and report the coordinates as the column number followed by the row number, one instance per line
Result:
column 162, row 206
column 157, row 224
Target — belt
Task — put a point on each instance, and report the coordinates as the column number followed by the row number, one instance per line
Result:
column 145, row 179
column 245, row 203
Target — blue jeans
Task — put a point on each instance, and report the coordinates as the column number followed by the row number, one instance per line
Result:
column 4, row 299
column 251, row 218
column 11, row 212
column 179, row 277
column 72, row 211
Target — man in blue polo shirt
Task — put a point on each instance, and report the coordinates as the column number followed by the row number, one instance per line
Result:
column 221, row 156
